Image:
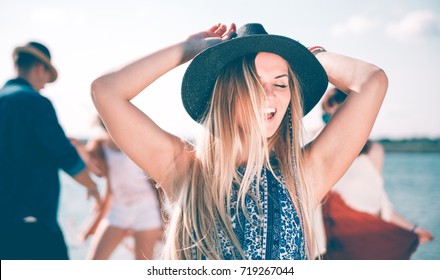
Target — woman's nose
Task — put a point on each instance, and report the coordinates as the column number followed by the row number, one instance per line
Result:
column 270, row 93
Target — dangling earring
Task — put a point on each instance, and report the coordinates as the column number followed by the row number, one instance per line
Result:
column 292, row 146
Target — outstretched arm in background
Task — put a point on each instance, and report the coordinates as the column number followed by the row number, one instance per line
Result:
column 377, row 155
column 423, row 234
column 93, row 156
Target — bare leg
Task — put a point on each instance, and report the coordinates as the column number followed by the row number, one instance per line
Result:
column 106, row 239
column 145, row 241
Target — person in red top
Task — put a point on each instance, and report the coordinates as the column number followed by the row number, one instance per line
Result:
column 361, row 222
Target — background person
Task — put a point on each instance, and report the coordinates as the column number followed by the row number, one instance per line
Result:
column 351, row 230
column 33, row 147
column 130, row 207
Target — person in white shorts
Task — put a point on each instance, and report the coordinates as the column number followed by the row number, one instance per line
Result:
column 131, row 205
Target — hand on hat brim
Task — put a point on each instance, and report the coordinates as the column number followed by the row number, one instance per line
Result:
column 217, row 31
column 198, row 42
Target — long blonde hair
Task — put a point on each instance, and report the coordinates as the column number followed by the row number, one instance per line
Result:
column 203, row 204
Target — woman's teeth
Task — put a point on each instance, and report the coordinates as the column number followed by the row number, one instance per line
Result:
column 270, row 112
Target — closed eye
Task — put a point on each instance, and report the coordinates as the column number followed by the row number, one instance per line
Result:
column 280, row 85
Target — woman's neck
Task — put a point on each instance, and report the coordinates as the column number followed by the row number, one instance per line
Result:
column 243, row 159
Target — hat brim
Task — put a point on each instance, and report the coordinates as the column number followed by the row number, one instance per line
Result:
column 40, row 56
column 200, row 76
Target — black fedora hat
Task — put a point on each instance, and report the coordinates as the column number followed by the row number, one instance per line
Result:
column 201, row 74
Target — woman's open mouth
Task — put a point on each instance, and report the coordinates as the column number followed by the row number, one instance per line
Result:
column 270, row 113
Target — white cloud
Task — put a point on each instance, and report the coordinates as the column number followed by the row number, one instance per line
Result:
column 415, row 25
column 354, row 25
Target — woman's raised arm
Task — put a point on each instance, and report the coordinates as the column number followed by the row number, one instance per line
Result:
column 158, row 153
column 340, row 142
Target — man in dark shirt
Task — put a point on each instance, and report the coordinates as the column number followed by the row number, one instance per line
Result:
column 33, row 147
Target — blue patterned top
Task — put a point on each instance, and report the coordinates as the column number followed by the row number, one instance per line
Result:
column 273, row 234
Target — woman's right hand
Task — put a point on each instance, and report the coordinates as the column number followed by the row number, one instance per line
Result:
column 198, row 42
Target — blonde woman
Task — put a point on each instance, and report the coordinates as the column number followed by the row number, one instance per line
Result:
column 248, row 190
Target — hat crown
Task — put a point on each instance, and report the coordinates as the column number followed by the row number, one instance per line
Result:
column 251, row 29
column 41, row 48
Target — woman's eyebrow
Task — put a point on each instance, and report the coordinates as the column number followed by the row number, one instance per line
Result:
column 282, row 75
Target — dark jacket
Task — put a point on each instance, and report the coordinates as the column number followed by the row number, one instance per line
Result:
column 33, row 147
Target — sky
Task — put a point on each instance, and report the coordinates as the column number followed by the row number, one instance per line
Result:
column 89, row 38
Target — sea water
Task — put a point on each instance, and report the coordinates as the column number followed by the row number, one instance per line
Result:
column 412, row 181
